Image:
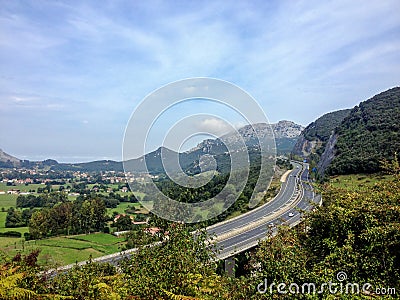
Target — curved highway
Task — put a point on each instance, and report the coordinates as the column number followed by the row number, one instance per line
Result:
column 286, row 193
column 244, row 232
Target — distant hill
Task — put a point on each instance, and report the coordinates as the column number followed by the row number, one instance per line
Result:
column 8, row 161
column 370, row 133
column 93, row 166
column 285, row 132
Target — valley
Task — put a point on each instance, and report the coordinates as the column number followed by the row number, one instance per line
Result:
column 77, row 212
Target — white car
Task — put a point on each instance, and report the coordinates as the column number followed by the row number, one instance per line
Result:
column 291, row 215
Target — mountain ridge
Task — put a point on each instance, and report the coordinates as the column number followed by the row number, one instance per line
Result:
column 285, row 132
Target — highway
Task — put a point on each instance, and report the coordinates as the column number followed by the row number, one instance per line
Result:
column 245, row 231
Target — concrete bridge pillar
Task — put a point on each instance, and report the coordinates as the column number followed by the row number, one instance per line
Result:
column 230, row 266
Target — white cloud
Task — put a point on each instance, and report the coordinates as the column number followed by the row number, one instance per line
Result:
column 214, row 126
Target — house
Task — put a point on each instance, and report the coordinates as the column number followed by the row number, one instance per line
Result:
column 119, row 233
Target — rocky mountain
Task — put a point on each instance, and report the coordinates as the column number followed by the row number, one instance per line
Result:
column 286, row 135
column 285, row 132
column 192, row 161
column 287, row 129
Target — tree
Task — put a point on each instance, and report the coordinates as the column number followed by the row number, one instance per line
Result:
column 39, row 224
column 99, row 211
column 124, row 222
column 14, row 218
column 184, row 263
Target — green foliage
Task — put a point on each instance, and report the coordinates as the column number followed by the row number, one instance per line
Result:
column 91, row 281
column 215, row 186
column 322, row 128
column 42, row 200
column 124, row 222
column 315, row 136
column 284, row 163
column 370, row 132
column 180, row 265
column 14, row 218
column 179, row 268
column 80, row 216
column 10, row 289
column 17, row 218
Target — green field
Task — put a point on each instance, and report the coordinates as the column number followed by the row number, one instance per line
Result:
column 3, row 215
column 64, row 250
column 139, row 194
column 122, row 206
column 99, row 238
column 7, row 200
column 358, row 181
column 21, row 187
column 60, row 250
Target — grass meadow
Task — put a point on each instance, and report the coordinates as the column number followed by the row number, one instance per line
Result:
column 358, row 182
column 62, row 250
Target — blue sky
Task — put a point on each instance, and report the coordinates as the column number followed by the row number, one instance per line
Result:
column 72, row 72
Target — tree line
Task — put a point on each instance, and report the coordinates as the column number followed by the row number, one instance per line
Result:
column 79, row 216
column 50, row 199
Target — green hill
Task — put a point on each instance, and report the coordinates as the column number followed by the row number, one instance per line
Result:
column 314, row 137
column 370, row 133
column 322, row 128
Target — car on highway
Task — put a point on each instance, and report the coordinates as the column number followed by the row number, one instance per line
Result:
column 291, row 214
